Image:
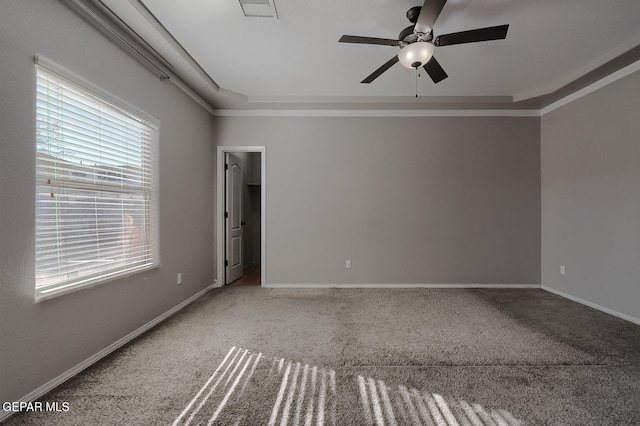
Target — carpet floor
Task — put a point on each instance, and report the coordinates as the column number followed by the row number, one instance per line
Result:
column 254, row 356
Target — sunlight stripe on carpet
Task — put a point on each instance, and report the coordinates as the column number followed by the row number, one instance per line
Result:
column 283, row 386
column 375, row 401
column 230, row 391
column 290, row 395
column 386, row 403
column 364, row 397
column 195, row 398
column 213, row 388
column 413, row 413
column 306, row 395
column 300, row 400
column 236, row 359
column 383, row 405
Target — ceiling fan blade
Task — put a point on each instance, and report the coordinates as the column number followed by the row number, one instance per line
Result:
column 428, row 15
column 435, row 71
column 472, row 36
column 368, row 40
column 391, row 62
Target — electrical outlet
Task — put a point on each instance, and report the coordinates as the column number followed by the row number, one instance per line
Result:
column 562, row 270
column 179, row 278
column 348, row 264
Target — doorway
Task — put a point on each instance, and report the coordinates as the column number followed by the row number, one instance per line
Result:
column 240, row 215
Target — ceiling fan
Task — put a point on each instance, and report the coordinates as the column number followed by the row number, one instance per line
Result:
column 417, row 41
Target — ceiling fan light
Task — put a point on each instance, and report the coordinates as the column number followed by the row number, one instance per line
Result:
column 416, row 54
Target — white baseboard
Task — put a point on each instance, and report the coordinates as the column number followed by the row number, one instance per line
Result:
column 593, row 305
column 387, row 285
column 37, row 393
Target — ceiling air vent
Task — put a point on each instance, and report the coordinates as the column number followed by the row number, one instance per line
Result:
column 259, row 8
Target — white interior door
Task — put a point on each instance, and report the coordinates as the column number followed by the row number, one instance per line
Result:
column 233, row 218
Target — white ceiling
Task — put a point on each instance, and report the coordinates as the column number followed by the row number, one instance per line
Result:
column 296, row 60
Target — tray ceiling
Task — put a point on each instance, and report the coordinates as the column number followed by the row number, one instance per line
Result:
column 295, row 60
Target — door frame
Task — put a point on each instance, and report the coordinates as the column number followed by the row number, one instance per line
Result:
column 220, row 232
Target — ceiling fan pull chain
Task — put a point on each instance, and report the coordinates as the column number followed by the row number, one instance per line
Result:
column 416, row 82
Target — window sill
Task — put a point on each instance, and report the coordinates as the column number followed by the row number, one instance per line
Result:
column 43, row 294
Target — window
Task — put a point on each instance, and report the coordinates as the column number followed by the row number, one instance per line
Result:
column 96, row 185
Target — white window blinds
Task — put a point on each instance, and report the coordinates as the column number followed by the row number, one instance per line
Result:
column 96, row 190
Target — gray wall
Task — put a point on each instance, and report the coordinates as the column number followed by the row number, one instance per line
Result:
column 433, row 200
column 591, row 197
column 40, row 341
